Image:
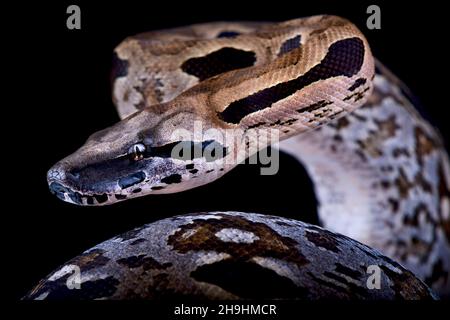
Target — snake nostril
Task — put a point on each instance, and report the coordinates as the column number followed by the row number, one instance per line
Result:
column 55, row 174
column 73, row 174
column 61, row 172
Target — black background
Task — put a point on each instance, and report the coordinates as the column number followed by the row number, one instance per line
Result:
column 61, row 94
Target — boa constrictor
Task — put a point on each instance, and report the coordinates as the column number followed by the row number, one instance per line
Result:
column 380, row 171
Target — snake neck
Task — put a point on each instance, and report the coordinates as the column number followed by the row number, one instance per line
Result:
column 382, row 177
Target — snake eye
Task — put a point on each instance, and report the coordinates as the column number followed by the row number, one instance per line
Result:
column 136, row 151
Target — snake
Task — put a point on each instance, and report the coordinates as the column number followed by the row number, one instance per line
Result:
column 310, row 87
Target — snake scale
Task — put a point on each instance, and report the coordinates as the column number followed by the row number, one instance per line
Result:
column 380, row 171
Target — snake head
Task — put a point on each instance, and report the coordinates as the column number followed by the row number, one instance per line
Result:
column 151, row 151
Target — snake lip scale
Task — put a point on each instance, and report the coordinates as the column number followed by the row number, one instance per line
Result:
column 380, row 171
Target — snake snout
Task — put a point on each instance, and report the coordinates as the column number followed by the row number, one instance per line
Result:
column 79, row 185
column 59, row 178
column 55, row 174
column 61, row 173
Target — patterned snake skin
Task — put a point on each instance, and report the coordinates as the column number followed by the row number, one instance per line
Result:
column 380, row 171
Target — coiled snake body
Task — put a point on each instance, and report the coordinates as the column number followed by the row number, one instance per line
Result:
column 380, row 171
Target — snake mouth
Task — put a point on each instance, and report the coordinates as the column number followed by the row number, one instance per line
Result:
column 64, row 193
column 65, row 186
column 68, row 195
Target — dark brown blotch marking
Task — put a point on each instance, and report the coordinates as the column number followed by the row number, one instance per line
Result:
column 388, row 127
column 318, row 31
column 403, row 184
column 101, row 198
column 370, row 147
column 119, row 67
column 270, row 243
column 325, row 240
column 400, row 151
column 341, row 123
column 444, row 195
column 354, row 274
column 358, row 117
column 367, row 251
column 258, row 124
column 287, row 122
column 218, row 62
column 385, row 184
column 394, row 204
column 141, row 90
column 146, row 262
column 344, row 58
column 314, row 106
column 137, row 241
column 90, row 200
column 373, row 144
column 228, row 34
column 290, row 44
column 354, row 289
column 341, row 292
column 158, row 89
column 249, row 280
column 357, row 95
column 405, row 285
column 421, row 181
column 173, row 178
column 90, row 290
column 361, row 155
column 421, row 248
column 358, row 82
column 424, row 144
column 336, row 114
column 421, row 209
column 89, row 260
